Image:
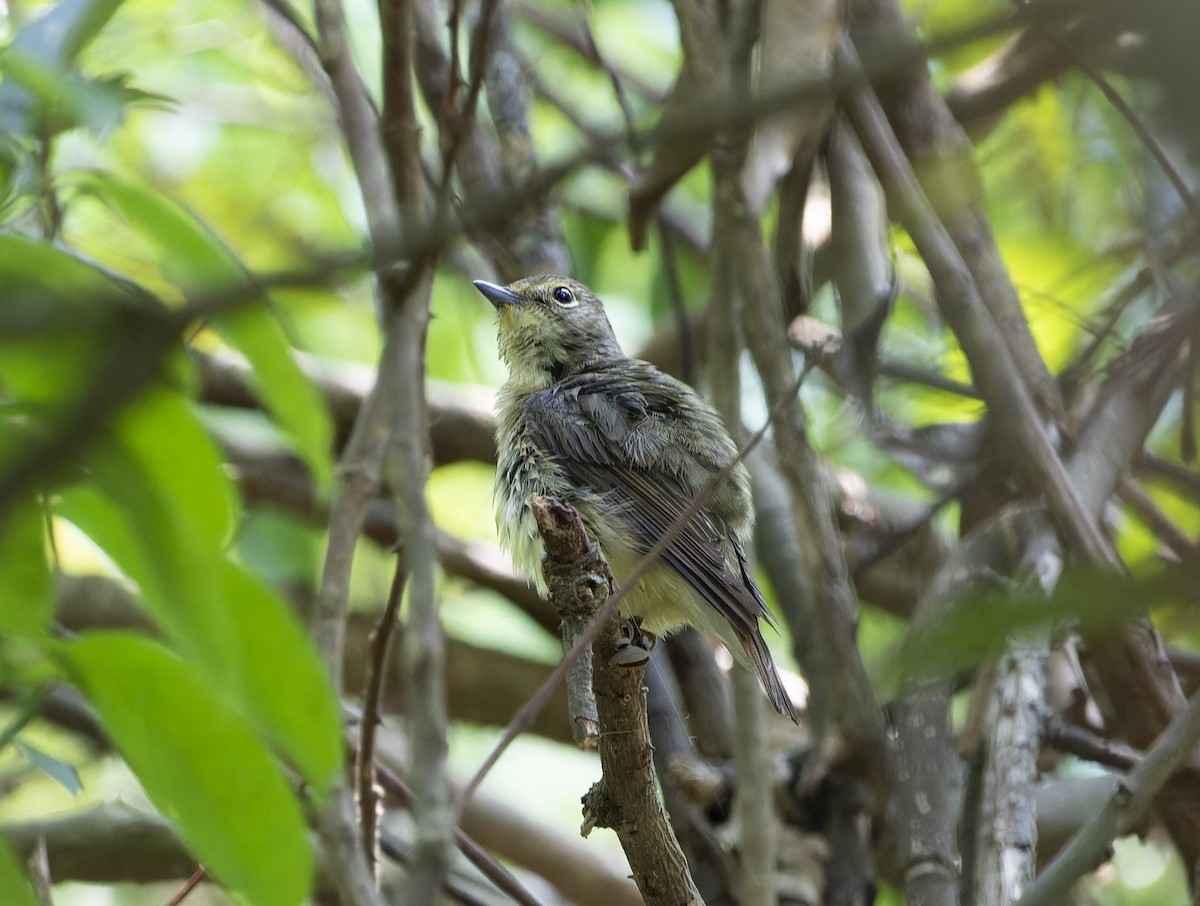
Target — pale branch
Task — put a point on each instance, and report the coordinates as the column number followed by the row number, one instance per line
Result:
column 704, row 691
column 1004, row 851
column 532, row 239
column 626, row 797
column 861, row 259
column 755, row 801
column 360, row 473
column 1133, row 795
column 575, row 613
column 360, row 124
column 927, row 797
column 385, row 181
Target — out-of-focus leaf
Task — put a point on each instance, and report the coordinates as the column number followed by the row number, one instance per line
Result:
column 51, row 101
column 57, row 770
column 193, row 256
column 1086, row 600
column 26, row 590
column 201, row 764
column 284, row 683
column 13, row 880
column 162, row 509
column 53, row 308
column 285, row 390
column 42, row 91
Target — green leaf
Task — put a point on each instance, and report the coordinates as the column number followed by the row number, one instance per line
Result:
column 26, row 589
column 284, row 684
column 285, row 390
column 53, row 306
column 46, row 82
column 161, row 508
column 201, row 764
column 61, row 772
column 173, row 452
column 14, row 880
column 194, row 256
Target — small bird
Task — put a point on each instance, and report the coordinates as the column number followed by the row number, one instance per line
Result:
column 629, row 448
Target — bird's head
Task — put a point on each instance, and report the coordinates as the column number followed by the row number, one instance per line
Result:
column 550, row 326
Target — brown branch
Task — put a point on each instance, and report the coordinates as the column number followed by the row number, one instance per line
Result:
column 373, row 686
column 266, row 478
column 1081, row 743
column 1153, row 517
column 626, row 797
column 395, row 785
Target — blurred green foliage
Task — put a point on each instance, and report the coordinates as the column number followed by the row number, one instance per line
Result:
column 154, row 154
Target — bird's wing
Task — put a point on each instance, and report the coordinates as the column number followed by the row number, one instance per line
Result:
column 597, row 428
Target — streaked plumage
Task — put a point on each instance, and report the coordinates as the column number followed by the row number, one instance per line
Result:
column 630, row 448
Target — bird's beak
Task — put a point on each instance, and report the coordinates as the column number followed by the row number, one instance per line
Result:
column 497, row 295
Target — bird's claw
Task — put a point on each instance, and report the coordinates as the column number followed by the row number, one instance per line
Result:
column 634, row 645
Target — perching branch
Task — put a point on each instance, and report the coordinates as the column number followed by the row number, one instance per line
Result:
column 626, row 797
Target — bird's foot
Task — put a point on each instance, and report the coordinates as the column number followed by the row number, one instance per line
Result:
column 634, row 645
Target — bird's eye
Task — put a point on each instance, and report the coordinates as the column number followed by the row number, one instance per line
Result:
column 563, row 296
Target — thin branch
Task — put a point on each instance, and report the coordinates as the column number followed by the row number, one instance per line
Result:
column 187, row 887
column 1075, row 740
column 626, row 797
column 1127, row 113
column 395, row 785
column 1134, row 794
column 1152, row 515
column 365, row 788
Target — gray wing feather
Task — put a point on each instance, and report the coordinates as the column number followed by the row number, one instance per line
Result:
column 593, row 428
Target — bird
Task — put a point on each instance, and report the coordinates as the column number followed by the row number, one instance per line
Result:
column 629, row 448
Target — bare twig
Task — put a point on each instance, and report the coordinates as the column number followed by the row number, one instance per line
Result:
column 187, row 887
column 395, row 785
column 1150, row 513
column 1149, row 142
column 1081, row 743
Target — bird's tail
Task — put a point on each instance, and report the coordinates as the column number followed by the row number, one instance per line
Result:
column 760, row 659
